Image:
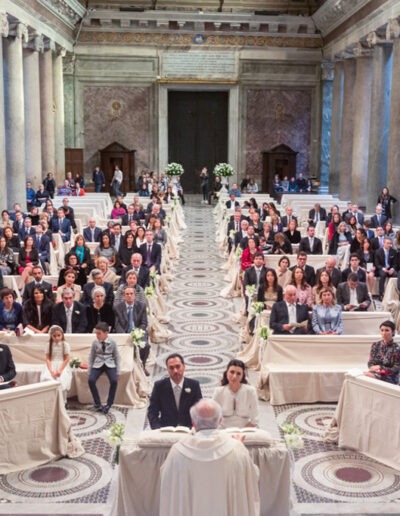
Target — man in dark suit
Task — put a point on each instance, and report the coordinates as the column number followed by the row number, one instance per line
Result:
column 69, row 314
column 69, row 212
column 92, row 233
column 316, row 214
column 286, row 314
column 255, row 275
column 18, row 224
column 172, row 398
column 332, row 270
column 7, row 367
column 244, row 243
column 142, row 271
column 378, row 220
column 288, row 217
column 359, row 216
column 129, row 216
column 26, row 230
column 309, row 272
column 232, row 203
column 61, row 225
column 386, row 264
column 98, row 281
column 233, row 225
column 242, row 233
column 311, row 244
column 42, row 242
column 354, row 269
column 151, row 252
column 353, row 295
column 131, row 314
column 348, row 212
column 37, row 273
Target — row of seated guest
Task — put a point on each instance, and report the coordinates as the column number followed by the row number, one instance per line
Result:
column 292, row 185
column 351, row 292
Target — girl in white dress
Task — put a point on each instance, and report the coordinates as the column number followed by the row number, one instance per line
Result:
column 57, row 360
column 237, row 398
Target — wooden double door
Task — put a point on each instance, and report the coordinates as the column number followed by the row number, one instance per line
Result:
column 197, row 133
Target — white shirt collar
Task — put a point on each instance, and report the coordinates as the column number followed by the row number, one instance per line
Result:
column 180, row 384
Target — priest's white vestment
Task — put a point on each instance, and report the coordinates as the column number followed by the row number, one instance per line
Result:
column 209, row 473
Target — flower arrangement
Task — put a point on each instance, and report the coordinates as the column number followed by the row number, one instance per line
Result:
column 257, row 307
column 239, row 252
column 264, row 332
column 149, row 291
column 153, row 278
column 137, row 337
column 174, row 169
column 292, row 435
column 250, row 290
column 115, row 436
column 232, row 234
column 75, row 363
column 223, row 170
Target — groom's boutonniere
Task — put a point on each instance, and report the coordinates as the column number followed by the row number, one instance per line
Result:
column 188, row 390
column 77, row 312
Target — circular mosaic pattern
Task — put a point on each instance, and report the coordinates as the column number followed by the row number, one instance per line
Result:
column 311, row 419
column 345, row 477
column 198, row 361
column 199, row 284
column 195, row 303
column 62, row 481
column 212, row 343
column 197, row 327
column 89, row 422
column 197, row 314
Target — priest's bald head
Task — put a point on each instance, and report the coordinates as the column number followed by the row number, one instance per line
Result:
column 206, row 415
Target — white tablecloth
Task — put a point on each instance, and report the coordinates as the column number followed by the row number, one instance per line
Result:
column 29, row 356
column 366, row 419
column 34, row 427
column 139, row 474
column 310, row 368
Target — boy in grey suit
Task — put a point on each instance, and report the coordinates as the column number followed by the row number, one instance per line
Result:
column 104, row 358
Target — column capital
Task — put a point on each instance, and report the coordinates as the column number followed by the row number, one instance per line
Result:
column 36, row 42
column 19, row 30
column 49, row 44
column 69, row 63
column 60, row 51
column 374, row 38
column 4, row 25
column 393, row 29
column 327, row 70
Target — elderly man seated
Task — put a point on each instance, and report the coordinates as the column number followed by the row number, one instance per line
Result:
column 353, row 295
column 288, row 316
column 209, row 472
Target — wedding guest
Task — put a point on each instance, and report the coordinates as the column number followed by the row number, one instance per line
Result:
column 384, row 358
column 353, row 295
column 270, row 291
column 160, row 235
column 81, row 250
column 36, row 311
column 7, row 368
column 326, row 317
column 99, row 310
column 288, row 317
column 237, row 398
column 97, row 279
column 106, row 250
column 248, row 254
column 57, row 361
column 303, row 289
column 131, row 279
column 69, row 314
column 28, row 258
column 283, row 272
column 117, row 212
column 72, row 263
column 10, row 312
column 104, row 358
column 386, row 200
column 324, row 281
column 108, row 273
column 69, row 283
column 292, row 233
column 7, row 260
column 127, row 249
column 281, row 244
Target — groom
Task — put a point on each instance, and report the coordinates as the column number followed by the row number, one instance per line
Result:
column 172, row 397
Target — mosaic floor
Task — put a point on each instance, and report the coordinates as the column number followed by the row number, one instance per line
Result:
column 326, row 480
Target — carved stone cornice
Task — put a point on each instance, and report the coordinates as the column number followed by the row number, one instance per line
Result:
column 19, row 30
column 69, row 64
column 393, row 29
column 69, row 11
column 4, row 26
column 49, row 44
column 334, row 12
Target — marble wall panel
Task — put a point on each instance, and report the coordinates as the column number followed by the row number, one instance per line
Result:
column 116, row 114
column 277, row 117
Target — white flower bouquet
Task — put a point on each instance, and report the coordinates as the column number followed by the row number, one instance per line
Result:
column 264, row 332
column 223, row 170
column 75, row 363
column 257, row 307
column 174, row 169
column 137, row 337
column 239, row 252
column 115, row 436
column 292, row 435
column 250, row 290
column 149, row 291
column 232, row 234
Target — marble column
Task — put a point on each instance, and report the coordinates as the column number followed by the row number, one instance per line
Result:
column 14, row 114
column 47, row 109
column 58, row 92
column 393, row 176
column 3, row 162
column 327, row 92
column 33, row 145
column 346, row 148
column 362, row 101
column 336, row 127
column 379, row 127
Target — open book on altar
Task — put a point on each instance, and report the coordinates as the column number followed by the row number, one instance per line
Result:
column 182, row 429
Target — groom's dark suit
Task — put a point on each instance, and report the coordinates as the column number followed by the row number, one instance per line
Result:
column 162, row 409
